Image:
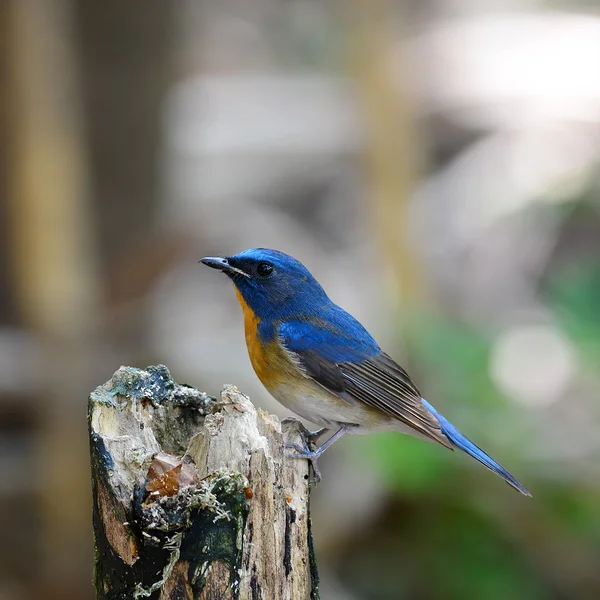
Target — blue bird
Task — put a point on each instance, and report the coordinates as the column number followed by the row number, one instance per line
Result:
column 321, row 363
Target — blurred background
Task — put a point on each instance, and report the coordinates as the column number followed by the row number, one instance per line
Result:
column 434, row 163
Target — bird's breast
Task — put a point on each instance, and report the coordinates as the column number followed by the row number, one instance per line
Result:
column 287, row 383
column 269, row 359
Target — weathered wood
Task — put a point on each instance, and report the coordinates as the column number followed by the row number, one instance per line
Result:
column 193, row 498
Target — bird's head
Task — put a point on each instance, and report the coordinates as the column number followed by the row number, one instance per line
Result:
column 270, row 282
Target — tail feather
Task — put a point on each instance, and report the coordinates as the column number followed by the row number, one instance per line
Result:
column 467, row 446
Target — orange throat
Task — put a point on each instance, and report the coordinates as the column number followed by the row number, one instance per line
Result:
column 257, row 351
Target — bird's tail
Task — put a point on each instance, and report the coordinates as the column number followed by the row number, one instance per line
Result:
column 467, row 446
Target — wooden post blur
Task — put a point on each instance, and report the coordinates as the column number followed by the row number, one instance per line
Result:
column 391, row 147
column 193, row 497
column 53, row 271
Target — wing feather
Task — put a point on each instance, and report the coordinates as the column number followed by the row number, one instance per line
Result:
column 383, row 384
column 356, row 370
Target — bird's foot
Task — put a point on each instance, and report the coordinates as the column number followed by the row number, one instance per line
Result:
column 313, row 454
column 310, row 455
column 310, row 439
column 310, row 436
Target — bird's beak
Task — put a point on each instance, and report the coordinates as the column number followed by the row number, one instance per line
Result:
column 222, row 264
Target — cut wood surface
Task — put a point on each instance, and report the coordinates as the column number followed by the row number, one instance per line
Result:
column 193, row 497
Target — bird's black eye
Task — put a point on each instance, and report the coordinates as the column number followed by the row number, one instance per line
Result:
column 264, row 269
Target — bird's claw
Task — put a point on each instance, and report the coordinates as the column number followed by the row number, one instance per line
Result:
column 296, row 447
column 310, row 455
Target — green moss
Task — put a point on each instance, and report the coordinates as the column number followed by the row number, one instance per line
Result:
column 154, row 384
column 200, row 525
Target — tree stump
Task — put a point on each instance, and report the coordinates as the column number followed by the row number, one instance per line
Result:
column 193, row 497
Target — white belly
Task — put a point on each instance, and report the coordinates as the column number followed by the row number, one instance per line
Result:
column 313, row 402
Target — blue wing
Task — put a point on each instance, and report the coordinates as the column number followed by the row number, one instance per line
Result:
column 339, row 354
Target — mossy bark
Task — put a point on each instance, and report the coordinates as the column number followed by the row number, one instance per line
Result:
column 193, row 497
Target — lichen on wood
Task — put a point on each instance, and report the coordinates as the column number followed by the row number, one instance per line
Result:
column 193, row 497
